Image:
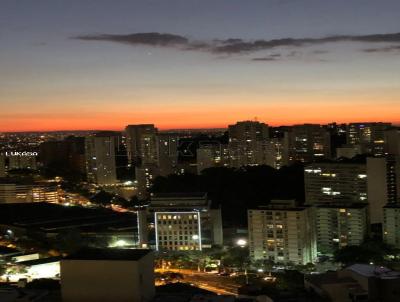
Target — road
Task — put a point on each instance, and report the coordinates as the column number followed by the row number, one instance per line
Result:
column 221, row 285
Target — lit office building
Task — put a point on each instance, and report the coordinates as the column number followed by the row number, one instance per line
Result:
column 370, row 136
column 18, row 192
column 185, row 222
column 100, row 159
column 282, row 232
column 338, row 226
column 246, row 141
column 308, row 142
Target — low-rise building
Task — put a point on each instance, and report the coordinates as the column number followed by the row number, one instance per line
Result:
column 185, row 221
column 358, row 282
column 108, row 275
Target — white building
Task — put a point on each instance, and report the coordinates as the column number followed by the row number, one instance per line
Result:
column 185, row 222
column 282, row 232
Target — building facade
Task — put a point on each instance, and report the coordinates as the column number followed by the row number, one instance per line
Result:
column 185, row 222
column 338, row 226
column 282, row 232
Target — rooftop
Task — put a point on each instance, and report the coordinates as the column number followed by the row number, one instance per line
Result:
column 109, row 254
column 367, row 270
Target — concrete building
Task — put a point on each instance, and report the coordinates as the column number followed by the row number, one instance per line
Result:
column 308, row 142
column 282, row 232
column 329, row 182
column 141, row 144
column 358, row 282
column 375, row 182
column 185, row 221
column 391, row 224
column 108, row 275
column 392, row 141
column 370, row 136
column 338, row 226
column 100, row 159
column 167, row 149
column 246, row 140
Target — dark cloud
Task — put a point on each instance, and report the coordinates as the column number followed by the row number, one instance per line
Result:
column 241, row 46
column 235, row 45
column 266, row 59
column 153, row 39
column 391, row 48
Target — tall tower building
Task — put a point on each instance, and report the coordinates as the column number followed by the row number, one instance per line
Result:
column 141, row 142
column 282, row 232
column 246, row 141
column 392, row 141
column 100, row 159
column 167, row 150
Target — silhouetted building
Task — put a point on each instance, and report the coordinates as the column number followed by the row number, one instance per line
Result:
column 370, row 136
column 100, row 159
column 141, row 142
column 246, row 141
column 308, row 142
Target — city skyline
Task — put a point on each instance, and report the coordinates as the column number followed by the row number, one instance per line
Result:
column 80, row 65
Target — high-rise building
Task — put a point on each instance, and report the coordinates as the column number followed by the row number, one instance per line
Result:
column 391, row 224
column 275, row 153
column 308, row 142
column 185, row 221
column 335, row 182
column 246, row 141
column 371, row 137
column 392, row 141
column 375, row 182
column 282, row 232
column 167, row 149
column 141, row 143
column 100, row 159
column 340, row 225
column 212, row 155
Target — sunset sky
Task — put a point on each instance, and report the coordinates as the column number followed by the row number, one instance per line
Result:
column 78, row 64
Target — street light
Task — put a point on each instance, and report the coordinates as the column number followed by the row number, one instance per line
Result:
column 241, row 242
